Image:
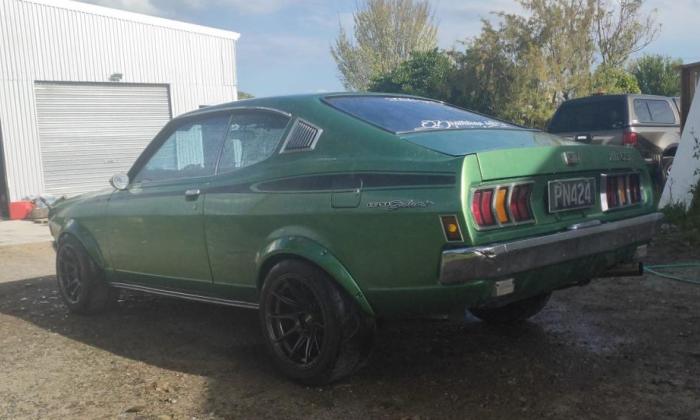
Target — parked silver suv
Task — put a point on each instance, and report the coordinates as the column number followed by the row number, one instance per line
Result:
column 647, row 122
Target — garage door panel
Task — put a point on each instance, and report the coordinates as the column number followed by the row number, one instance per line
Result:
column 90, row 131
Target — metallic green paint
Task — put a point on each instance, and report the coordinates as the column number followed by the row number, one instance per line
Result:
column 386, row 257
column 300, row 246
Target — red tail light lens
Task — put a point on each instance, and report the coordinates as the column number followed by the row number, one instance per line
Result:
column 621, row 190
column 481, row 207
column 629, row 138
column 476, row 208
column 520, row 203
column 493, row 206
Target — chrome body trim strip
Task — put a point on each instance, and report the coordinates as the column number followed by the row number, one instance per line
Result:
column 503, row 259
column 185, row 296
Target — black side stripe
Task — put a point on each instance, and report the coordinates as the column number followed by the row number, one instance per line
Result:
column 336, row 182
column 314, row 183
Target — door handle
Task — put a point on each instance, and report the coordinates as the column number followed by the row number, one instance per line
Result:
column 192, row 194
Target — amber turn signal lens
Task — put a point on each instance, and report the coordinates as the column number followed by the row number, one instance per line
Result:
column 501, row 211
column 450, row 225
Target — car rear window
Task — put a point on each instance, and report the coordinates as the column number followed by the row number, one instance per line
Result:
column 654, row 111
column 589, row 116
column 405, row 114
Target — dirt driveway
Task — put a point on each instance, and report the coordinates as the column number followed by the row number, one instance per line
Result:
column 625, row 348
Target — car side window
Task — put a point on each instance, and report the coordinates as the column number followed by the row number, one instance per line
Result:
column 661, row 112
column 654, row 111
column 190, row 151
column 252, row 137
column 641, row 110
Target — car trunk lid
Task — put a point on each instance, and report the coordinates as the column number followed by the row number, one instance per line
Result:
column 565, row 159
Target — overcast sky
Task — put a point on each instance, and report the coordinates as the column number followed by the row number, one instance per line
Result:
column 284, row 45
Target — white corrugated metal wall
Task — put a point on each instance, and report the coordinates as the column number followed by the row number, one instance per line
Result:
column 66, row 41
column 91, row 131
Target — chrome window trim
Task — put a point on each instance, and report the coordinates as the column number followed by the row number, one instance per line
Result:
column 311, row 147
column 234, row 108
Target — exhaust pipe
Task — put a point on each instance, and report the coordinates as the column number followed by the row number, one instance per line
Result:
column 624, row 270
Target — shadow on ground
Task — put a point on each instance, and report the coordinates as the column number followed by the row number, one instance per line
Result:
column 624, row 348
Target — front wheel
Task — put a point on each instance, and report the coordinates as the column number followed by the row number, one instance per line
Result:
column 513, row 312
column 80, row 282
column 314, row 332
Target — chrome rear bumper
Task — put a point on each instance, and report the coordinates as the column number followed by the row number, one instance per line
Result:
column 503, row 259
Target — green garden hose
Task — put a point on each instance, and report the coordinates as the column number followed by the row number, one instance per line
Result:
column 654, row 269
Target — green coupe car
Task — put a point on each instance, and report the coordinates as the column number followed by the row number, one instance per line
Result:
column 328, row 212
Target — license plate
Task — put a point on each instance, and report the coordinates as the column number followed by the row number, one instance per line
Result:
column 571, row 194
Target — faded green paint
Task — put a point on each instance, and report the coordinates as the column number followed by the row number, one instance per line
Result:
column 388, row 260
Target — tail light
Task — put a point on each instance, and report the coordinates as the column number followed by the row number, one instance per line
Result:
column 520, row 202
column 481, row 208
column 502, row 205
column 620, row 190
column 629, row 138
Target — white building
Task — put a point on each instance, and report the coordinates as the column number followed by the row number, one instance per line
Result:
column 84, row 88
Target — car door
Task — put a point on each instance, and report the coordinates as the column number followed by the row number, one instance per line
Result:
column 238, row 217
column 157, row 232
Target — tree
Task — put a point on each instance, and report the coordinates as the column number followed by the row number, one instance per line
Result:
column 424, row 74
column 612, row 80
column 657, row 75
column 622, row 31
column 244, row 95
column 386, row 32
column 524, row 66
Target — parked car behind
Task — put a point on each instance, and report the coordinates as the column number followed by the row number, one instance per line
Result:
column 649, row 123
column 327, row 212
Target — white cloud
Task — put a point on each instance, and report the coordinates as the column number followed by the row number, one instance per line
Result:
column 459, row 19
column 258, row 6
column 164, row 7
column 680, row 28
column 141, row 6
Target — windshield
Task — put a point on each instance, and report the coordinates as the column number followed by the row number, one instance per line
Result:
column 403, row 114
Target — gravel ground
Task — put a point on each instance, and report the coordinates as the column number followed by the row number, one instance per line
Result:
column 624, row 348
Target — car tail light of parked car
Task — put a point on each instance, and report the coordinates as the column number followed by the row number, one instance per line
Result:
column 629, row 138
column 620, row 190
column 502, row 205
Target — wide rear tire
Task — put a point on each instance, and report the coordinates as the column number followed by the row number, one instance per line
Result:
column 81, row 282
column 513, row 312
column 314, row 332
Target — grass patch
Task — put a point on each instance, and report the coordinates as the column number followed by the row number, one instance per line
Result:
column 687, row 220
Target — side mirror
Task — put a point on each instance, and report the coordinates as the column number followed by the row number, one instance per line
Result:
column 119, row 181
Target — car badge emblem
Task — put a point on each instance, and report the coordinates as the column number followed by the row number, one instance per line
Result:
column 571, row 158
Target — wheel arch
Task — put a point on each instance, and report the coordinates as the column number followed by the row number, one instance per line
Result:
column 296, row 247
column 670, row 150
column 73, row 229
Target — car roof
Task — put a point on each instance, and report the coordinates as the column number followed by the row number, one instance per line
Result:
column 283, row 103
column 602, row 98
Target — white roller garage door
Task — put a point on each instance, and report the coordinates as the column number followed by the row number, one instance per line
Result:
column 91, row 131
